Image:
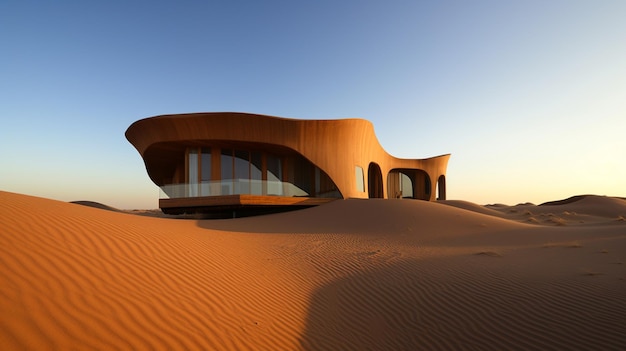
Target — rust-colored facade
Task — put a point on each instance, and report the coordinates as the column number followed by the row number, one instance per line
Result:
column 218, row 161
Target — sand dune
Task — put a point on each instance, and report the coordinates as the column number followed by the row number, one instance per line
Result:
column 578, row 210
column 370, row 217
column 96, row 205
column 470, row 206
column 602, row 206
column 350, row 275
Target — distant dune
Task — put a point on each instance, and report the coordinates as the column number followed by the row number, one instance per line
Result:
column 349, row 275
column 602, row 206
column 95, row 205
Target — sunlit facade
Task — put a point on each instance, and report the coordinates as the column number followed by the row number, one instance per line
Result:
column 237, row 162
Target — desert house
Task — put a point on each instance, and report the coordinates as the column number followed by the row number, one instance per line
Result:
column 227, row 161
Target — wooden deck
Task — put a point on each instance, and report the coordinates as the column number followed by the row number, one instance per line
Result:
column 241, row 200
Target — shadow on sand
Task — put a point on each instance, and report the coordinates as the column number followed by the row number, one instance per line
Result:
column 412, row 305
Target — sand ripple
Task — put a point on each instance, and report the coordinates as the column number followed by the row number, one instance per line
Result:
column 432, row 277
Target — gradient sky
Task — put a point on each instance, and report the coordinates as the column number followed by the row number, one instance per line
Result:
column 529, row 97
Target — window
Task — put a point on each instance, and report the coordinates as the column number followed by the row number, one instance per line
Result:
column 206, row 165
column 193, row 172
column 360, row 183
column 226, row 170
column 274, row 175
column 198, row 171
column 256, row 173
column 216, row 172
column 242, row 172
column 205, row 172
column 226, row 164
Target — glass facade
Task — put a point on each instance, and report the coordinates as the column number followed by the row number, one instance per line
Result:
column 193, row 172
column 241, row 160
column 256, row 173
column 274, row 175
column 206, row 165
column 406, row 186
column 240, row 171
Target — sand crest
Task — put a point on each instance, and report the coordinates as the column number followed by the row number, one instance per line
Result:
column 353, row 275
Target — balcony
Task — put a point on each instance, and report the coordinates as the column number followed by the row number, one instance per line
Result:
column 232, row 194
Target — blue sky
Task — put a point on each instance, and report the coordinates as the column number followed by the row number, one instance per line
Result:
column 529, row 97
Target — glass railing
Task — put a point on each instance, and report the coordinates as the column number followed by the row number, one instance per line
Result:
column 231, row 187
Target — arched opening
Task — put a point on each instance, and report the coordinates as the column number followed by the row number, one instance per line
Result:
column 374, row 181
column 441, row 188
column 400, row 184
column 404, row 183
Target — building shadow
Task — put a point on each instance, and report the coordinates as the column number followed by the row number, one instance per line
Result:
column 442, row 305
column 374, row 310
column 341, row 216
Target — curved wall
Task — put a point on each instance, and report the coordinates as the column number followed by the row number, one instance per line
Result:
column 335, row 146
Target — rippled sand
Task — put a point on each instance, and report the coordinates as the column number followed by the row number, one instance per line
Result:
column 349, row 275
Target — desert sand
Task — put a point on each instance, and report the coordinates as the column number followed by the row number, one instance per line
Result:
column 348, row 275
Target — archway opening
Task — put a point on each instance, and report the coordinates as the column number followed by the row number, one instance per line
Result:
column 441, row 188
column 400, row 184
column 404, row 183
column 374, row 181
